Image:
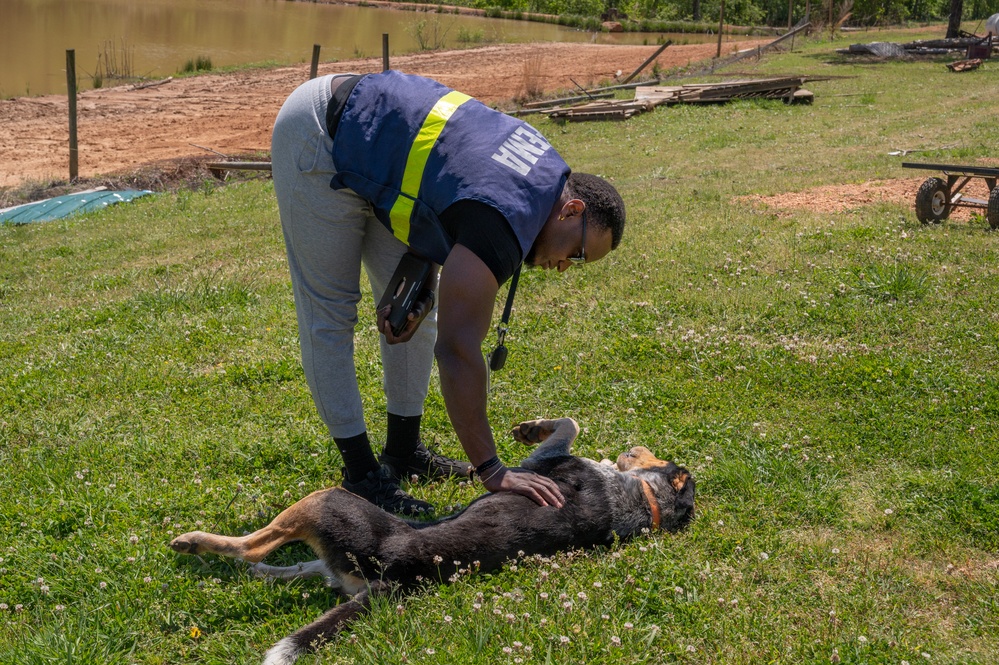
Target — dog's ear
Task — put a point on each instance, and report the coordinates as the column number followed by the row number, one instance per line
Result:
column 683, row 504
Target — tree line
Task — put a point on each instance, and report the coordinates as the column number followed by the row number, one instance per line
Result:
column 752, row 12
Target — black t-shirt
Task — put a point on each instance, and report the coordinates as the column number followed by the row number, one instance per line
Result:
column 485, row 231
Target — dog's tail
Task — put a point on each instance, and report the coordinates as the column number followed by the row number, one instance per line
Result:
column 311, row 637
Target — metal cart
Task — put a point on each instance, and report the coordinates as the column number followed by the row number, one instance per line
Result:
column 937, row 197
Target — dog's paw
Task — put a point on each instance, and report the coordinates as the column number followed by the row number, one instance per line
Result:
column 188, row 543
column 534, row 431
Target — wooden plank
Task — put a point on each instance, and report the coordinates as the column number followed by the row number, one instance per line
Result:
column 646, row 63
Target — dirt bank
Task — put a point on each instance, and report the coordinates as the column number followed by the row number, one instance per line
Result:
column 122, row 129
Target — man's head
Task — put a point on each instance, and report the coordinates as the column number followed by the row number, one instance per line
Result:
column 585, row 224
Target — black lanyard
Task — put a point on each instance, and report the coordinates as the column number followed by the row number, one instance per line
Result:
column 498, row 356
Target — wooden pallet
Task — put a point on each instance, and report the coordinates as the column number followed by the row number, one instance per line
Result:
column 773, row 88
column 649, row 97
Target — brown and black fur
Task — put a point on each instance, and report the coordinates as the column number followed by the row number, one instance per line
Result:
column 366, row 550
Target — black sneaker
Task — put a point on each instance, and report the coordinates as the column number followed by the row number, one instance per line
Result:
column 382, row 489
column 425, row 463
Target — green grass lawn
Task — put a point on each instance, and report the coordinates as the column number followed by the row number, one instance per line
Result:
column 829, row 378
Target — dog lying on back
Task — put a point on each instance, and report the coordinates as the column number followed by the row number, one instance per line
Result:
column 364, row 550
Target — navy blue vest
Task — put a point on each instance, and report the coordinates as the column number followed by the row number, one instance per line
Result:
column 412, row 147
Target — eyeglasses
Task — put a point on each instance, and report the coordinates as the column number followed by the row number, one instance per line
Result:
column 580, row 259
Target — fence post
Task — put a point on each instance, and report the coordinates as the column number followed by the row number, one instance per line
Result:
column 74, row 154
column 385, row 52
column 721, row 24
column 315, row 62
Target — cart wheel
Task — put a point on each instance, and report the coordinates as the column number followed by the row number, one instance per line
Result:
column 933, row 201
column 992, row 214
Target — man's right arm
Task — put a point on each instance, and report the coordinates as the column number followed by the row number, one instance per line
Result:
column 468, row 291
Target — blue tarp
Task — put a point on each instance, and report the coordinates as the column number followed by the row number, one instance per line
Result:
column 64, row 206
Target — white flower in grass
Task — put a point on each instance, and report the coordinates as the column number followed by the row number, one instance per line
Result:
column 563, row 639
column 447, row 618
column 60, row 608
column 764, row 556
column 597, row 585
column 507, row 650
column 889, row 511
column 861, row 639
column 3, row 607
column 103, row 585
column 430, row 652
column 628, row 625
column 133, row 539
column 615, row 640
column 691, row 648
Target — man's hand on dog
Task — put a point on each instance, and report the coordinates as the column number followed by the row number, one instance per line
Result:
column 543, row 491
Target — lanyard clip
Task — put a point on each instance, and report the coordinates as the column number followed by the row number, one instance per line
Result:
column 498, row 356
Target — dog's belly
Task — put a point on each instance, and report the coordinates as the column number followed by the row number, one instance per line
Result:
column 493, row 530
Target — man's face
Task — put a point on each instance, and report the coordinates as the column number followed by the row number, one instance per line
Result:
column 563, row 243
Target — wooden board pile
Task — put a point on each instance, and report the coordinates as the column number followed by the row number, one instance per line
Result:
column 649, row 97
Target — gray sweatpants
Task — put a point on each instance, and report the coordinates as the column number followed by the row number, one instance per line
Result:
column 329, row 234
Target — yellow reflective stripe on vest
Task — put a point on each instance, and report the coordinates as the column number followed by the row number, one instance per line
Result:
column 416, row 163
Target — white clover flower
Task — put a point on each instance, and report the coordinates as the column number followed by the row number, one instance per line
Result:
column 615, row 640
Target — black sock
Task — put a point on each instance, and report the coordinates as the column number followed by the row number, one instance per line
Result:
column 357, row 456
column 403, row 435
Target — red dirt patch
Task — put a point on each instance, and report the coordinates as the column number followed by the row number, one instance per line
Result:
column 839, row 198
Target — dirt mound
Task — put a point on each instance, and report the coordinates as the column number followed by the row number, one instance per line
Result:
column 121, row 129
